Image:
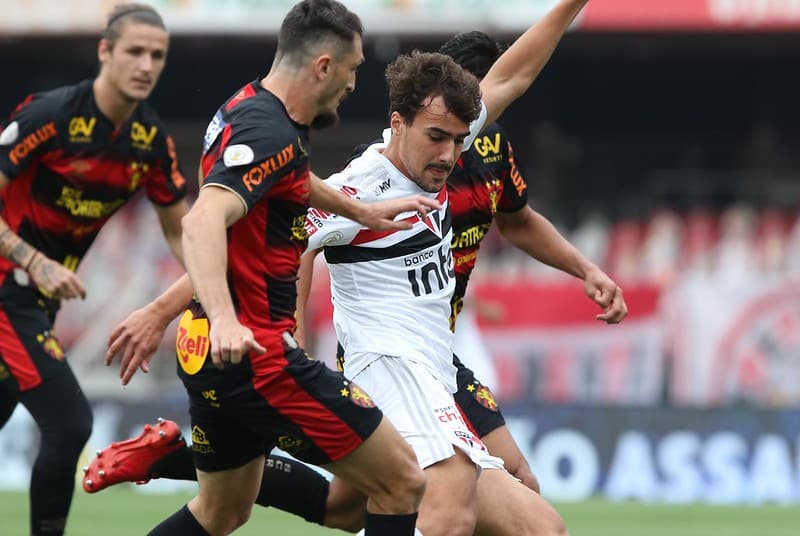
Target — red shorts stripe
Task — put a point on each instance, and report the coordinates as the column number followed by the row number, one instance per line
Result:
column 16, row 357
column 329, row 432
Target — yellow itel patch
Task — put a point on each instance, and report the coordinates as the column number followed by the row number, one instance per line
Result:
column 192, row 344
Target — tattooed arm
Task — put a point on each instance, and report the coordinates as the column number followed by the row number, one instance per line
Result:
column 50, row 276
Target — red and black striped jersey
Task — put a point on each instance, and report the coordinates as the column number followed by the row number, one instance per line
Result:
column 255, row 150
column 485, row 180
column 70, row 170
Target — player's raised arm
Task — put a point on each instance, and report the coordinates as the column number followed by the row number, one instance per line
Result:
column 514, row 71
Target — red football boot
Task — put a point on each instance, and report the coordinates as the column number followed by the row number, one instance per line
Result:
column 131, row 460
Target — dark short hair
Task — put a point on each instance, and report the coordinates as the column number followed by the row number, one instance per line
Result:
column 311, row 22
column 130, row 12
column 412, row 78
column 474, row 51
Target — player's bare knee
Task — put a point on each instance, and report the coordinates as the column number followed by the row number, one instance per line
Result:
column 449, row 522
column 403, row 491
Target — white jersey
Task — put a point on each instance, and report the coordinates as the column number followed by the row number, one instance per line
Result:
column 391, row 290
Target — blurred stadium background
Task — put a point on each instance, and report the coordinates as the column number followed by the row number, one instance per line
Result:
column 661, row 139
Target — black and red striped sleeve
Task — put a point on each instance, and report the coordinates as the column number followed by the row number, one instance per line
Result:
column 33, row 130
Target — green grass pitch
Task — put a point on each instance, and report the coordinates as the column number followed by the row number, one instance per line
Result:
column 124, row 512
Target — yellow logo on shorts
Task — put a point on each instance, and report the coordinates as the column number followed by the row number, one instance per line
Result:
column 51, row 345
column 357, row 396
column 483, row 395
column 200, row 442
column 192, row 344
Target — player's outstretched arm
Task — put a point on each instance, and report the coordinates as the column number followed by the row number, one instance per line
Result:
column 514, row 72
column 137, row 337
column 379, row 216
column 50, row 276
column 535, row 235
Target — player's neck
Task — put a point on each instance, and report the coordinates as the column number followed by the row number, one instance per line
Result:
column 112, row 104
column 392, row 153
column 292, row 89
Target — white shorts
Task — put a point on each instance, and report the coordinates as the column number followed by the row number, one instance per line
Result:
column 423, row 411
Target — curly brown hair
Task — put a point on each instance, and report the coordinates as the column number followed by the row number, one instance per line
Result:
column 416, row 77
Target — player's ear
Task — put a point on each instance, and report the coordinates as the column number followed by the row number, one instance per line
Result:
column 323, row 66
column 396, row 122
column 103, row 50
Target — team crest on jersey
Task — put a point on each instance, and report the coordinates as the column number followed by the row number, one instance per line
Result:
column 9, row 134
column 433, row 221
column 483, row 395
column 357, row 395
column 51, row 345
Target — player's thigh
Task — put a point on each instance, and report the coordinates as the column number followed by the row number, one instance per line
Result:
column 450, row 500
column 508, row 508
column 383, row 458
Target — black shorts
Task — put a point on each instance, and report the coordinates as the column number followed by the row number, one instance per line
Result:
column 476, row 401
column 29, row 351
column 286, row 399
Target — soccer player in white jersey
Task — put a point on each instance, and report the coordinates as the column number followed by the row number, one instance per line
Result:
column 391, row 292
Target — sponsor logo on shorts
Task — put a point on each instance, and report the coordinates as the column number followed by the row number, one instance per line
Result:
column 211, row 396
column 4, row 374
column 50, row 345
column 192, row 344
column 469, row 439
column 357, row 395
column 483, row 395
column 290, row 444
column 200, row 442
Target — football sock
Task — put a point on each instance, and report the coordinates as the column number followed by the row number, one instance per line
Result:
column 293, row 487
column 390, row 525
column 178, row 465
column 181, row 522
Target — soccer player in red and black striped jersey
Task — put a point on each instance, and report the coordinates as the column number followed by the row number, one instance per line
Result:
column 250, row 386
column 69, row 158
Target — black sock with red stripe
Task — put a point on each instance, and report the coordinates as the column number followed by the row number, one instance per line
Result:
column 294, row 487
column 181, row 522
column 390, row 525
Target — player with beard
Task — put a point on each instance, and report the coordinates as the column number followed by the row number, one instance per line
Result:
column 250, row 386
column 69, row 159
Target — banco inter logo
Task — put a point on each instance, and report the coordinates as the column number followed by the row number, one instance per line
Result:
column 430, row 275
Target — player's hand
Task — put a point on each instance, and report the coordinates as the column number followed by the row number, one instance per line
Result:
column 605, row 293
column 55, row 280
column 137, row 339
column 380, row 216
column 230, row 341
